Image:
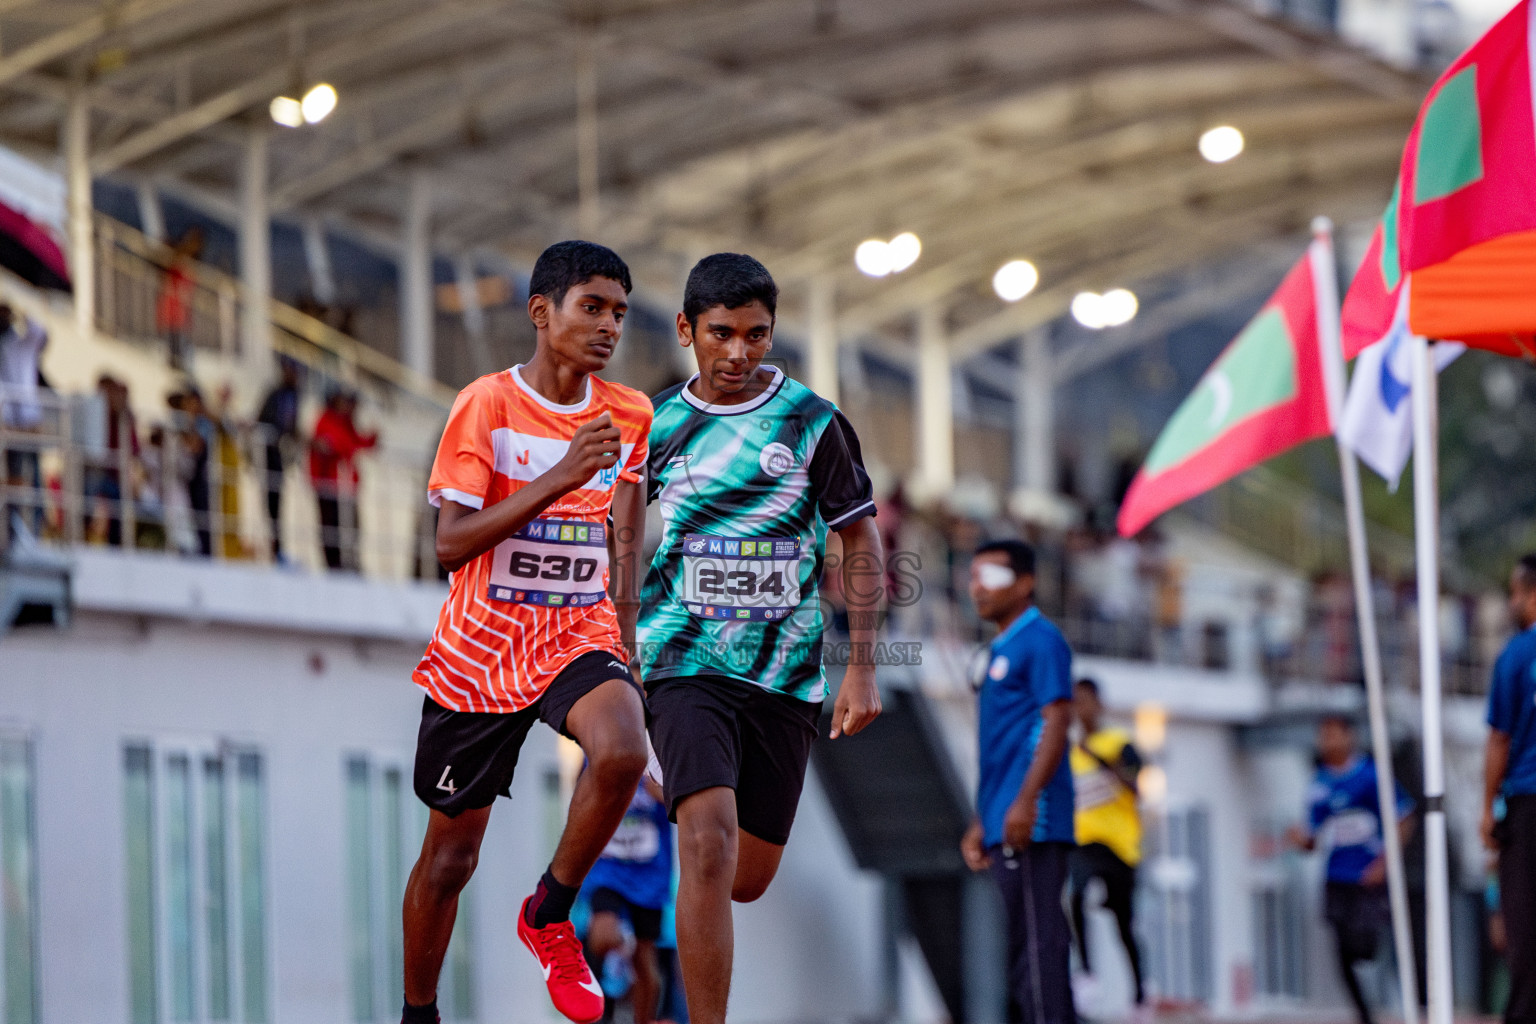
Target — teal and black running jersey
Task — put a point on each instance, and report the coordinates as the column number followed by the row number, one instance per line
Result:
column 748, row 493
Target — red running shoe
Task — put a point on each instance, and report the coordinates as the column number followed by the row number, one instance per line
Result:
column 572, row 988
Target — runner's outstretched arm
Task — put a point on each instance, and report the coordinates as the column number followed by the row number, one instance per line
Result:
column 464, row 534
column 628, row 535
column 858, row 699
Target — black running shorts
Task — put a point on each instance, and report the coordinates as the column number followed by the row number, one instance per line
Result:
column 712, row 731
column 1358, row 914
column 464, row 759
column 645, row 922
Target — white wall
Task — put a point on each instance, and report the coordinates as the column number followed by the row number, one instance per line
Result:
column 110, row 679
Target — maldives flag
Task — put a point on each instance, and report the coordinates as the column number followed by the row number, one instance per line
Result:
column 1468, row 195
column 1263, row 395
column 1371, row 304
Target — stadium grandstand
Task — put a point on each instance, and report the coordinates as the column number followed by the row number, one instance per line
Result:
column 262, row 246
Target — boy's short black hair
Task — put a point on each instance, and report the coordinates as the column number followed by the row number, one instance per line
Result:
column 1339, row 718
column 1021, row 557
column 565, row 265
column 729, row 279
column 1527, row 568
column 1090, row 684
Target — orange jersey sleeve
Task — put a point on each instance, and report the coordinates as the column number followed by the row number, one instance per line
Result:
column 465, row 459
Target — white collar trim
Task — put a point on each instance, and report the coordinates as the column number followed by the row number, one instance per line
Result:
column 731, row 410
column 517, row 375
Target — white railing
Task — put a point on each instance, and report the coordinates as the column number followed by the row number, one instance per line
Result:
column 132, row 274
column 200, row 487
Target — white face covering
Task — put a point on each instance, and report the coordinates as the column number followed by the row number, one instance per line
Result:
column 992, row 576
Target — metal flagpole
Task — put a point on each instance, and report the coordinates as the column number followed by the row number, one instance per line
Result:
column 1426, row 519
column 1325, row 280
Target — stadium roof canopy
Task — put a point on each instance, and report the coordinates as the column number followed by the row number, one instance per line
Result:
column 1063, row 131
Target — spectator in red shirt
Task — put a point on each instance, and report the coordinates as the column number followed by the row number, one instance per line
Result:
column 173, row 308
column 334, row 475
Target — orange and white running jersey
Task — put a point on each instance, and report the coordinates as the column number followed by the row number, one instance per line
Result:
column 520, row 613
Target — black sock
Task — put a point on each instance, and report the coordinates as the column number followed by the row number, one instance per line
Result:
column 551, row 902
column 420, row 1014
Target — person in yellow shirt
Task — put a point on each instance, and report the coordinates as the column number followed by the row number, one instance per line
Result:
column 1107, row 824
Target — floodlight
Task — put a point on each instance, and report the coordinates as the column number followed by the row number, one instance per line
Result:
column 1118, row 307
column 904, row 250
column 1218, row 145
column 1015, row 279
column 287, row 111
column 318, row 103
column 1088, row 310
column 873, row 257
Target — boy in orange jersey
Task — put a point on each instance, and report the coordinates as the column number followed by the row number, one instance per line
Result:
column 531, row 463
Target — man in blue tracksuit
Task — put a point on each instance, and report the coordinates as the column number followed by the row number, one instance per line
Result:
column 1344, row 814
column 1509, row 771
column 632, row 882
column 1024, row 825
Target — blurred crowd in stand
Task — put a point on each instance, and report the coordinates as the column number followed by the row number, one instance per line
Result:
column 84, row 468
column 1146, row 599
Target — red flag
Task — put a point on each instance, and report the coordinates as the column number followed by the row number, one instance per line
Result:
column 1370, row 306
column 1264, row 394
column 1469, row 169
column 1468, row 193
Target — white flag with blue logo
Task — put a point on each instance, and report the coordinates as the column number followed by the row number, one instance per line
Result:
column 1377, row 423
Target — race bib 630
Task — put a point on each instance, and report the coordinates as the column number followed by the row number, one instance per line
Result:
column 558, row 563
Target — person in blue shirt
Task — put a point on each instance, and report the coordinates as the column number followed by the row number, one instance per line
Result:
column 1344, row 814
column 632, row 883
column 1509, row 771
column 1024, row 824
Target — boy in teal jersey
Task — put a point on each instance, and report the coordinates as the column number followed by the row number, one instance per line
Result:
column 752, row 470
